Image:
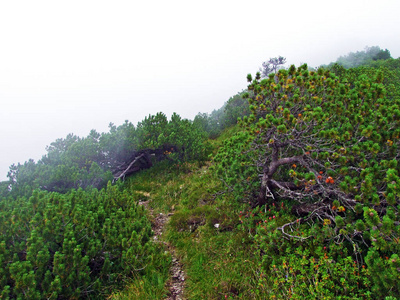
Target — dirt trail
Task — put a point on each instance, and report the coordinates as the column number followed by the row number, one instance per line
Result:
column 176, row 284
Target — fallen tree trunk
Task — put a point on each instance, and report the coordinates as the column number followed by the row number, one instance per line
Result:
column 141, row 160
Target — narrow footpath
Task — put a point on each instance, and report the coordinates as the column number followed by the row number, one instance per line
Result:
column 176, row 284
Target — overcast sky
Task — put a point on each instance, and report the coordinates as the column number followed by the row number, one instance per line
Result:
column 72, row 66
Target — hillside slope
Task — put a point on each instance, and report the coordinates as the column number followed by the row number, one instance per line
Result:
column 299, row 200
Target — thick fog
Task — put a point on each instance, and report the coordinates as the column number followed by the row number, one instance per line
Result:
column 72, row 66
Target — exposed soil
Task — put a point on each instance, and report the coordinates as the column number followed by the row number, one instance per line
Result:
column 176, row 284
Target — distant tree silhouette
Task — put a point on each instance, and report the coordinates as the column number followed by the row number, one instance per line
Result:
column 272, row 65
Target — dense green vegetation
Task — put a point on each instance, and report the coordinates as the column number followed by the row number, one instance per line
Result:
column 80, row 244
column 327, row 146
column 66, row 233
column 299, row 200
column 76, row 162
